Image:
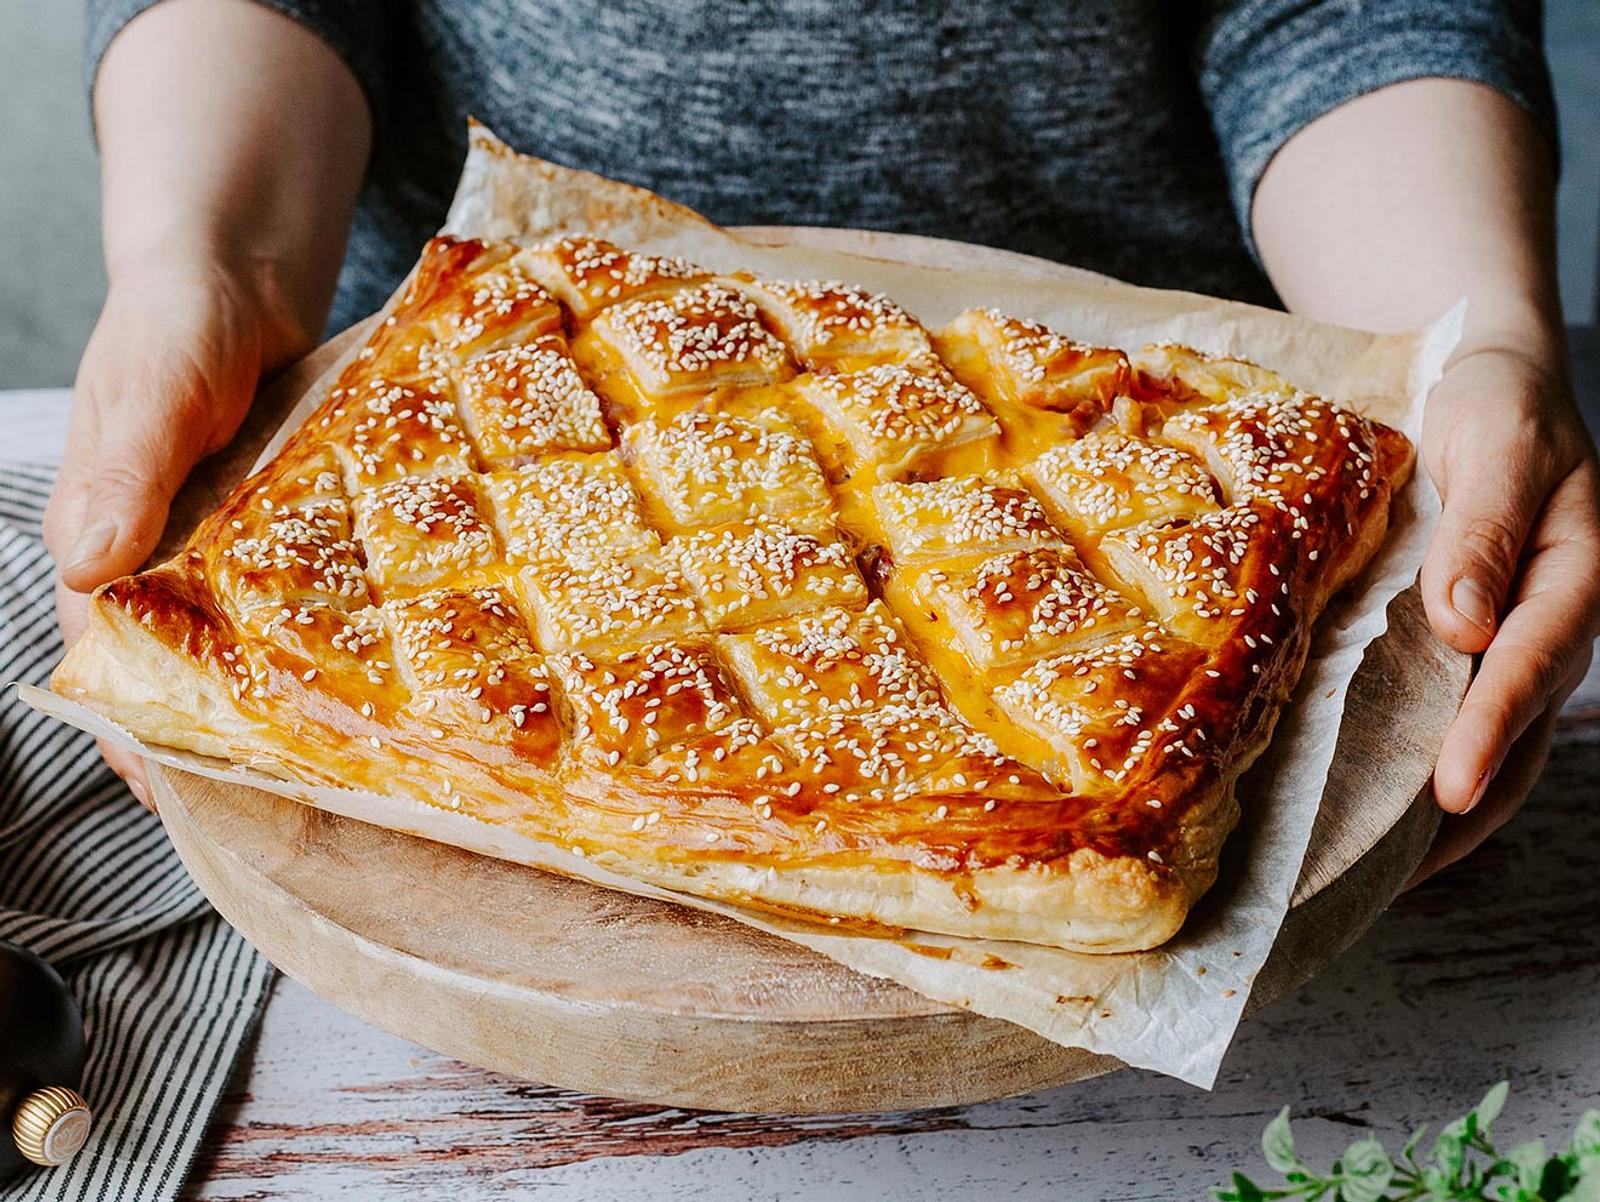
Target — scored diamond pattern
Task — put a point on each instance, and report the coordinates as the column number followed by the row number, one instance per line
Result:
column 522, row 401
column 561, row 507
column 575, row 508
column 702, row 468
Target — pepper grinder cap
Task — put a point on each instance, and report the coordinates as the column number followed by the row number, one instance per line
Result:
column 51, row 1125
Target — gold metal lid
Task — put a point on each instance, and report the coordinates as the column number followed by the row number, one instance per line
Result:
column 51, row 1125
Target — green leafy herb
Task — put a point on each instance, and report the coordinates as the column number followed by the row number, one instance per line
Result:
column 1463, row 1166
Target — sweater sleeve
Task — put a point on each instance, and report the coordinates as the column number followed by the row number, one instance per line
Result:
column 1268, row 68
column 352, row 29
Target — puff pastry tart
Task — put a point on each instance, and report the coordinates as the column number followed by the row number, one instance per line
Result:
column 762, row 591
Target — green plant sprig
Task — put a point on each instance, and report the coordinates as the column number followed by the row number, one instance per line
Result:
column 1464, row 1166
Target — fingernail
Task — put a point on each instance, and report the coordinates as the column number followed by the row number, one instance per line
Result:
column 138, row 790
column 1473, row 602
column 92, row 544
column 1481, row 788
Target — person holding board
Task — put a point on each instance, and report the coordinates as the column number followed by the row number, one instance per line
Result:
column 265, row 164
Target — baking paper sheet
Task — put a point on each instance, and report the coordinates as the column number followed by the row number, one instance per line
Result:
column 1174, row 1009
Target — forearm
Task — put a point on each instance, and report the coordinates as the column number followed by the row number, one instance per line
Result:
column 1382, row 214
column 232, row 144
column 230, row 137
column 1387, row 210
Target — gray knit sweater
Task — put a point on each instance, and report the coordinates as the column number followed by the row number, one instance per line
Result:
column 1122, row 135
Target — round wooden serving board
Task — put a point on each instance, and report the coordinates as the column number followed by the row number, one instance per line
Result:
column 566, row 983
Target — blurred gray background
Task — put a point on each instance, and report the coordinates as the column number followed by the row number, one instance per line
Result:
column 51, row 280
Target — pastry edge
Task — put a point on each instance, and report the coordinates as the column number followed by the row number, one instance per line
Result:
column 1083, row 901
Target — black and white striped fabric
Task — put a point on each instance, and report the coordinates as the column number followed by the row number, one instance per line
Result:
column 169, row 992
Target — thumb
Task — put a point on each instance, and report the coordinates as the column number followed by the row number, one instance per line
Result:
column 139, row 440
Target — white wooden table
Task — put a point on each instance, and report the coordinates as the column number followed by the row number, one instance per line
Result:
column 1491, row 970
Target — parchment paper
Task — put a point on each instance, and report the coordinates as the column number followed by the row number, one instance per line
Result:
column 1173, row 1009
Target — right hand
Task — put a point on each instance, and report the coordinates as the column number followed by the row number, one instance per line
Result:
column 167, row 377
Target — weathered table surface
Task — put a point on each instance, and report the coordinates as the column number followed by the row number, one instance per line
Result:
column 1490, row 970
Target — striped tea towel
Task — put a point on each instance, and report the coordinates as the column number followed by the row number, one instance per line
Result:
column 168, row 991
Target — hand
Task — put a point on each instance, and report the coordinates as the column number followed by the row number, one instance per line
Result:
column 1513, row 573
column 167, row 378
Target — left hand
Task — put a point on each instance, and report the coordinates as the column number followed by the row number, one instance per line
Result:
column 1513, row 573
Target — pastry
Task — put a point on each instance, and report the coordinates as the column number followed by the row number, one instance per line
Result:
column 761, row 591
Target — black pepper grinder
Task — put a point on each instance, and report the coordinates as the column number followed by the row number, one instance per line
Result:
column 43, row 1119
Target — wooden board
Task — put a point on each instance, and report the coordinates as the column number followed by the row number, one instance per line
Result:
column 565, row 983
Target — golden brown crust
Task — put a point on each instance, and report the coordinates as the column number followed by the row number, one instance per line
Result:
column 1031, row 364
column 826, row 322
column 758, row 591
